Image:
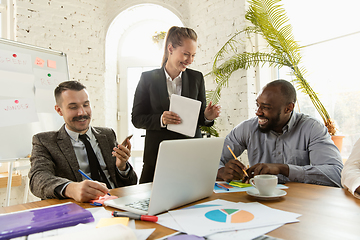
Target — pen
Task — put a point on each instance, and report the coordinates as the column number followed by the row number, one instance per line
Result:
column 222, row 187
column 236, row 158
column 135, row 216
column 88, row 178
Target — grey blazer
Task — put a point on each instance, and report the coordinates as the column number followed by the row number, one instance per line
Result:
column 54, row 163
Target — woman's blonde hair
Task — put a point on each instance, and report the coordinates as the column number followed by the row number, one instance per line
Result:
column 175, row 36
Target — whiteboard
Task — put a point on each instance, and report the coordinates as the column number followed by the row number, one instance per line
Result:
column 28, row 77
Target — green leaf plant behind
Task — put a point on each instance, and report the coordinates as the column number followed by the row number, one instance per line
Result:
column 268, row 19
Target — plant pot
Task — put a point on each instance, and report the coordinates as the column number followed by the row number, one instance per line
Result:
column 338, row 141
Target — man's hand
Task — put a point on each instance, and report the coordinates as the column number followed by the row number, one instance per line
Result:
column 268, row 168
column 231, row 171
column 357, row 190
column 85, row 191
column 122, row 154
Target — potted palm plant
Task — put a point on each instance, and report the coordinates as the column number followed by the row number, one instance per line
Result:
column 267, row 19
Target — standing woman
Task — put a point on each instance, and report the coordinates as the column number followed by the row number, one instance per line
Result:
column 151, row 101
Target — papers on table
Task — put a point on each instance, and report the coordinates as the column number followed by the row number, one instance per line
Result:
column 188, row 109
column 42, row 219
column 237, row 189
column 220, row 219
column 92, row 230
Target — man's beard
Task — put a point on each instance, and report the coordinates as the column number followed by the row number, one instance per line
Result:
column 271, row 124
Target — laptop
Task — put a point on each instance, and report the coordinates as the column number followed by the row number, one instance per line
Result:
column 185, row 172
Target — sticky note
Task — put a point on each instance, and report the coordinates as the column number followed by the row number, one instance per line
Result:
column 51, row 64
column 239, row 184
column 103, row 199
column 39, row 62
column 112, row 221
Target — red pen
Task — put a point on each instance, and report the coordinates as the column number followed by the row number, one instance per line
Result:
column 135, row 216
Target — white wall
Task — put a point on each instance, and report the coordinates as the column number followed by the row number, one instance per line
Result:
column 74, row 27
column 78, row 28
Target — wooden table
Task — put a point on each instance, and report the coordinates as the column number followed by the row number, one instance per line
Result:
column 327, row 212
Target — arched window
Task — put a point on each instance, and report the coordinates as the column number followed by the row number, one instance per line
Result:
column 131, row 33
column 6, row 19
column 330, row 34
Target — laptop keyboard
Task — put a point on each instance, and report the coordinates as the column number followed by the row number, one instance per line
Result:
column 141, row 205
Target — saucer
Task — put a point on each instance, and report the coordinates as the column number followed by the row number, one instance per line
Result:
column 277, row 193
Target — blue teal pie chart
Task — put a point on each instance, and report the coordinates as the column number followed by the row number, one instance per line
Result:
column 229, row 216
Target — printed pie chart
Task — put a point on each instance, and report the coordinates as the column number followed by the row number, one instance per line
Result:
column 229, row 216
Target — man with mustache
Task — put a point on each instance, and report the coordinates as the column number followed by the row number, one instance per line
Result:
column 57, row 156
column 282, row 142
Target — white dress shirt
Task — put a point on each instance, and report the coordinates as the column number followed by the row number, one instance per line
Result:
column 350, row 175
column 82, row 158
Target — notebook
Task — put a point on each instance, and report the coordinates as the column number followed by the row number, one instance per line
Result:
column 42, row 219
column 188, row 109
column 185, row 172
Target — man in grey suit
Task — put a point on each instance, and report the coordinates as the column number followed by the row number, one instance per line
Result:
column 57, row 156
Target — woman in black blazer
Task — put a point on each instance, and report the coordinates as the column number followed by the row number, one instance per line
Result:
column 151, row 101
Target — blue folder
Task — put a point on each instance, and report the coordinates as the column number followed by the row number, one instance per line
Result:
column 31, row 221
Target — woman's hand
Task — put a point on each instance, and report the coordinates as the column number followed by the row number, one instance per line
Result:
column 212, row 111
column 170, row 118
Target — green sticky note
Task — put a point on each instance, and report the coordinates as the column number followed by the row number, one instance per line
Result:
column 239, row 184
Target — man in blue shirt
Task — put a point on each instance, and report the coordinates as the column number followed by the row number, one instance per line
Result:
column 279, row 141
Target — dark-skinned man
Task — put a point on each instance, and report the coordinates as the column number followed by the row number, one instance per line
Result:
column 282, row 142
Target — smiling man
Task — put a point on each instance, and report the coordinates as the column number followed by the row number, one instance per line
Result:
column 57, row 156
column 282, row 142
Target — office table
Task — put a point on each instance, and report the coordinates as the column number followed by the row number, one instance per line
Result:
column 327, row 212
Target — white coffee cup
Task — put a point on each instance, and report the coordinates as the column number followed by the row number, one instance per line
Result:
column 265, row 184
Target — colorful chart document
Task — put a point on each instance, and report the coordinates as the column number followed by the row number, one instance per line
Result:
column 211, row 218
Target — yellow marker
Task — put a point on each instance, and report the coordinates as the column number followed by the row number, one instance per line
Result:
column 236, row 158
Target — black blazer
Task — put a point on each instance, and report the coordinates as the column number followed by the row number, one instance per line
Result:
column 151, row 100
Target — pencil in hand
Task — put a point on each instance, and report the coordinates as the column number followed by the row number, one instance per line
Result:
column 236, row 158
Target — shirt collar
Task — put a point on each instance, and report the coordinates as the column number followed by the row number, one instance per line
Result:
column 168, row 76
column 290, row 123
column 75, row 135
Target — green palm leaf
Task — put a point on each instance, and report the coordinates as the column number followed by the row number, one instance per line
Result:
column 269, row 20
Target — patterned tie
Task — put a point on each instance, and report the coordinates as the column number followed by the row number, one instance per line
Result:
column 95, row 167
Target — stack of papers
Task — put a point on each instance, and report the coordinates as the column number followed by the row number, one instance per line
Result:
column 220, row 219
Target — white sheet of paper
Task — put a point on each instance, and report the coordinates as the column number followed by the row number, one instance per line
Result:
column 17, row 111
column 15, row 84
column 245, row 234
column 98, row 213
column 45, row 100
column 207, row 221
column 48, row 79
column 188, row 109
column 113, row 232
column 14, row 61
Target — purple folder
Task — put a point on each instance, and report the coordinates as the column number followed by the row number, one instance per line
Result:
column 42, row 219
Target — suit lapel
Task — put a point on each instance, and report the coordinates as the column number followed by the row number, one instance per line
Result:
column 185, row 84
column 67, row 149
column 106, row 153
column 162, row 88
